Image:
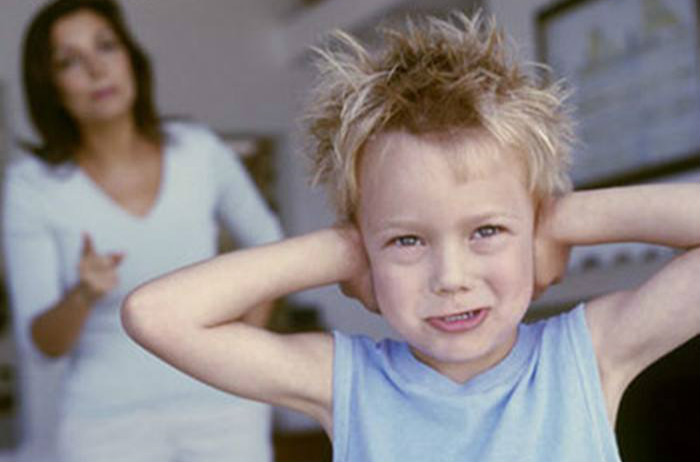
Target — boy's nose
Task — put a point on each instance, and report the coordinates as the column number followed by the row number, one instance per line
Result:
column 450, row 272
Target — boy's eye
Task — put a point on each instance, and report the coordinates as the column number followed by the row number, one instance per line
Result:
column 487, row 231
column 406, row 241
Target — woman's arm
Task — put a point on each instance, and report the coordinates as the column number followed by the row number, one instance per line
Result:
column 32, row 266
column 191, row 318
column 56, row 330
column 46, row 316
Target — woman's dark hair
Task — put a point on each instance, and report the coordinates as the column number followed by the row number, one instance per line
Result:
column 59, row 131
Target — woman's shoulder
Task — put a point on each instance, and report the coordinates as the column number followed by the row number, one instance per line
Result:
column 26, row 168
column 185, row 131
column 196, row 145
column 30, row 185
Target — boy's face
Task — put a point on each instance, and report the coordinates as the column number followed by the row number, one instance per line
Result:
column 451, row 257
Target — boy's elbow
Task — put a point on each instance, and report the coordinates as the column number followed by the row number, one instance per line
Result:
column 139, row 316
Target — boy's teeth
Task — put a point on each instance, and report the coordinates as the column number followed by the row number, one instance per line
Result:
column 460, row 316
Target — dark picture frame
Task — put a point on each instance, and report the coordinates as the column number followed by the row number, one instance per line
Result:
column 634, row 68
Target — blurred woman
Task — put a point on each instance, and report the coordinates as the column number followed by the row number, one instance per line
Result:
column 110, row 197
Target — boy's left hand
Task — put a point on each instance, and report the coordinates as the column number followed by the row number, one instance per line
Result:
column 361, row 289
column 359, row 286
column 551, row 257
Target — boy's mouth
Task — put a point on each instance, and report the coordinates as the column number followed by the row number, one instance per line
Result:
column 459, row 322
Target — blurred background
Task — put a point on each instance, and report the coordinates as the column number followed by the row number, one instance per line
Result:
column 243, row 68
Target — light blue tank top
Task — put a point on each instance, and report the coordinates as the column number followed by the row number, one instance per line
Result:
column 542, row 403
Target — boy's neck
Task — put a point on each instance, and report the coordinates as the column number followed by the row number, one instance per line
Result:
column 462, row 372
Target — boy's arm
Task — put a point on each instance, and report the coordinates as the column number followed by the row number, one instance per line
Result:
column 633, row 328
column 191, row 318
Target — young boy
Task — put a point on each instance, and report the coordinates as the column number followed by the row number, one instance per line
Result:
column 449, row 164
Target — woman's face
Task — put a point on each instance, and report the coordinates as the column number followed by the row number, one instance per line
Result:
column 91, row 69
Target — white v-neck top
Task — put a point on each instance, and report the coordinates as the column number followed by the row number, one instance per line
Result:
column 46, row 210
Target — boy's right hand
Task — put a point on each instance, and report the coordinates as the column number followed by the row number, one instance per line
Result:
column 359, row 286
column 98, row 273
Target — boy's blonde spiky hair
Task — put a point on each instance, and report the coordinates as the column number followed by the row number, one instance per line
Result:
column 433, row 77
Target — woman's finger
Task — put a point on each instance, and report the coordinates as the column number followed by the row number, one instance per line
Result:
column 88, row 248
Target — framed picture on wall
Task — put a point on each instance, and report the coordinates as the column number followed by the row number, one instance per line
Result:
column 634, row 68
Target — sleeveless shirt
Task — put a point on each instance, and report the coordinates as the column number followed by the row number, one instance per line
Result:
column 542, row 402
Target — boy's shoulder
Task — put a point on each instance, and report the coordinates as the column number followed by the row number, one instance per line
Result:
column 358, row 353
column 369, row 347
